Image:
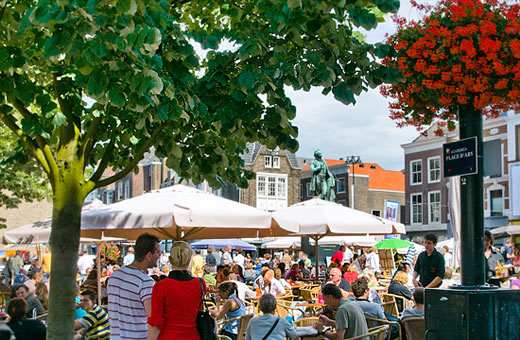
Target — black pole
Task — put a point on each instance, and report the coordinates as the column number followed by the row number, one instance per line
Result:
column 472, row 204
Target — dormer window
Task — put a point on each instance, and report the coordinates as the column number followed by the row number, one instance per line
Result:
column 276, row 162
column 267, row 162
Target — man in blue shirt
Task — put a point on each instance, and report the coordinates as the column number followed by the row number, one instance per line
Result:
column 508, row 252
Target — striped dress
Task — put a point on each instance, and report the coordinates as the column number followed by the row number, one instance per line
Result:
column 128, row 289
column 96, row 322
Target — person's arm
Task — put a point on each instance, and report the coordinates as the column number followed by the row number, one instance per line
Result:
column 435, row 282
column 78, row 325
column 415, row 282
column 153, row 332
column 225, row 308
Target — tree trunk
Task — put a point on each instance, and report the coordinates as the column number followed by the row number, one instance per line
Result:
column 64, row 242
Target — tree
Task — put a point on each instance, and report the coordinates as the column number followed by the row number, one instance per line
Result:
column 20, row 179
column 137, row 60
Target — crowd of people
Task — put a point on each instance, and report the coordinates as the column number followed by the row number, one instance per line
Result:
column 150, row 294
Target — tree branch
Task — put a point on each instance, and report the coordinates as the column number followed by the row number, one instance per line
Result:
column 88, row 142
column 104, row 161
column 139, row 155
column 26, row 114
column 179, row 3
column 29, row 143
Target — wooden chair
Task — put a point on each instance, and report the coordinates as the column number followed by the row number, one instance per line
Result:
column 389, row 303
column 284, row 309
column 242, row 325
column 414, row 328
column 372, row 322
column 223, row 337
column 307, row 322
column 376, row 333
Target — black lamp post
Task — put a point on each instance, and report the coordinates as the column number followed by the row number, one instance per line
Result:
column 353, row 160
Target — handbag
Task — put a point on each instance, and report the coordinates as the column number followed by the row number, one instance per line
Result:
column 206, row 325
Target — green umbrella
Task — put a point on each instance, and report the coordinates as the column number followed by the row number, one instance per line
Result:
column 393, row 243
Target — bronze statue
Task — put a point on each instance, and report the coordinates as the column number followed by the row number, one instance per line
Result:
column 323, row 180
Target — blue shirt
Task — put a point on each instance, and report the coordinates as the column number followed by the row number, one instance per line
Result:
column 260, row 325
column 232, row 327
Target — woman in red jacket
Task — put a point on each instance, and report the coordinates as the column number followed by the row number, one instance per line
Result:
column 176, row 300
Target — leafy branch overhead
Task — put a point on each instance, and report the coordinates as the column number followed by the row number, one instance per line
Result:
column 137, row 59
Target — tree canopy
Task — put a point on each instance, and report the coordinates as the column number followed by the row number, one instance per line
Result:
column 138, row 61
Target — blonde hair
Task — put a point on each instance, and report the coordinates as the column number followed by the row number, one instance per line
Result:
column 269, row 272
column 401, row 277
column 180, row 254
column 352, row 268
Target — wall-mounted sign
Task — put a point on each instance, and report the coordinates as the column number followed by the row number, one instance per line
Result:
column 460, row 157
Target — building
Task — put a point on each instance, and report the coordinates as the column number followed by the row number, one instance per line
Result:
column 375, row 189
column 277, row 182
column 427, row 190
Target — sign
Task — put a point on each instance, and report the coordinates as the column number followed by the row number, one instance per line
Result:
column 460, row 157
column 391, row 213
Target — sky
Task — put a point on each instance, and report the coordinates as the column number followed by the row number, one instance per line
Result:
column 363, row 129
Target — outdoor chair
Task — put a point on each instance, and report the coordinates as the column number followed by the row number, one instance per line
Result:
column 284, row 309
column 308, row 322
column 414, row 328
column 242, row 325
column 376, row 333
column 372, row 322
column 389, row 303
column 223, row 337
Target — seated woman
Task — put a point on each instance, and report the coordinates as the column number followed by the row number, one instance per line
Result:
column 42, row 292
column 24, row 328
column 237, row 270
column 351, row 274
column 232, row 308
column 269, row 326
column 278, row 276
column 176, row 300
column 397, row 287
column 293, row 274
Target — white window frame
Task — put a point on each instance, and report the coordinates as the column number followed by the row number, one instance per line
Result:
column 341, row 179
column 430, row 210
column 421, row 215
column 127, row 189
column 268, row 162
column 279, row 180
column 276, row 162
column 412, row 172
column 119, row 191
column 490, row 200
column 261, row 179
column 430, row 180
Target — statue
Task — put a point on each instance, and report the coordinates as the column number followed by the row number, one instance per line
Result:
column 323, row 180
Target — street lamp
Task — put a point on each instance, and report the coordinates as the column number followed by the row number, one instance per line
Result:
column 353, row 160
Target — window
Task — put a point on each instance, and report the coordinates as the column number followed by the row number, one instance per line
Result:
column 342, row 202
column 435, row 206
column 127, row 189
column 416, row 206
column 271, row 186
column 376, row 213
column 281, row 187
column 109, row 196
column 276, row 162
column 308, row 187
column 497, row 203
column 267, row 161
column 416, row 172
column 518, row 142
column 261, row 185
column 434, row 169
column 340, row 185
column 119, row 191
column 492, row 158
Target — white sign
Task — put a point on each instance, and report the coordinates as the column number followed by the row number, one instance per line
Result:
column 514, row 186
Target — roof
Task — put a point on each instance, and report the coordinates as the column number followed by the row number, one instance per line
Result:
column 253, row 149
column 330, row 162
column 380, row 179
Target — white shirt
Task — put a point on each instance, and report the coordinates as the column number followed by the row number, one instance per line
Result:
column 128, row 259
column 347, row 256
column 244, row 291
column 448, row 258
column 239, row 259
column 275, row 288
column 84, row 263
column 373, row 262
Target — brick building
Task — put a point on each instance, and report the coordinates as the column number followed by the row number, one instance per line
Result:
column 277, row 182
column 374, row 186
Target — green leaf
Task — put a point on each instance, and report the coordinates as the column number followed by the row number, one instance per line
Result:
column 58, row 119
column 117, row 98
column 343, row 94
column 294, row 3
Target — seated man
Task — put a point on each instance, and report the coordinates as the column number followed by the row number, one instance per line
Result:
column 361, row 292
column 337, row 279
column 269, row 326
column 350, row 320
column 304, row 271
column 418, row 309
column 22, row 327
column 22, row 291
column 95, row 324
